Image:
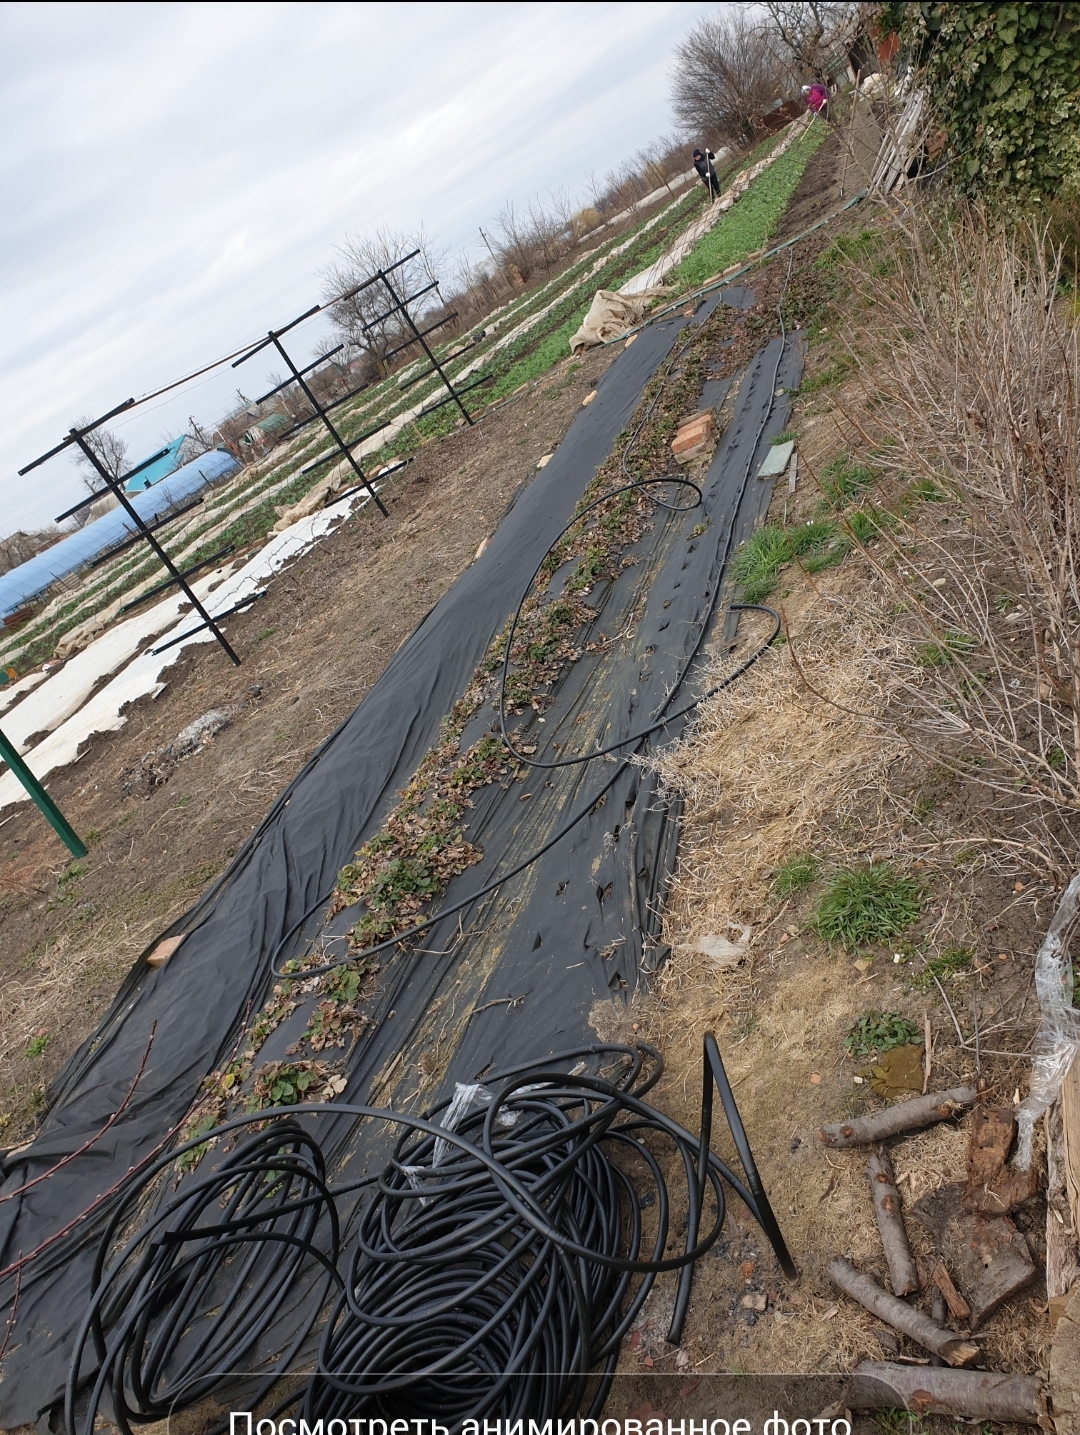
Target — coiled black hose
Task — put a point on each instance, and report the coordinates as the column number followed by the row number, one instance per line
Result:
column 496, row 1266
column 192, row 1292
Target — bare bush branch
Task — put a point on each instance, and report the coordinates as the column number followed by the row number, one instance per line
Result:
column 810, row 31
column 363, row 319
column 976, row 364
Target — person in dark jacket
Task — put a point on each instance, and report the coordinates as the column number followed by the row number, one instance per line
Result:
column 704, row 167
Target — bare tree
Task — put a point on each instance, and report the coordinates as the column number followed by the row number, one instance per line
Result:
column 728, row 71
column 515, row 244
column 111, row 452
column 810, row 31
column 367, row 320
column 20, row 547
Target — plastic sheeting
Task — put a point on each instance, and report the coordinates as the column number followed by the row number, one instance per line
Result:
column 520, row 974
column 21, row 584
column 61, row 709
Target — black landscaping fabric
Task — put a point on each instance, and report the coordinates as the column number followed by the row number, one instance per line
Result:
column 517, row 976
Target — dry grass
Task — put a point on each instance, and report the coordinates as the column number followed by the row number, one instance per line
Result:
column 770, row 770
column 973, row 389
column 55, row 981
column 825, row 747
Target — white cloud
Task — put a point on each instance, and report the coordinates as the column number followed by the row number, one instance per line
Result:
column 176, row 175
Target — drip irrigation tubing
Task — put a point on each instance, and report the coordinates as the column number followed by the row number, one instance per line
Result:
column 661, row 718
column 494, row 1265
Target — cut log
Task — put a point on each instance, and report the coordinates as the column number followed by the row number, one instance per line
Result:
column 989, row 1255
column 1070, row 1130
column 903, row 1276
column 963, row 1394
column 958, row 1306
column 992, row 1187
column 954, row 1349
column 938, row 1312
column 907, row 1116
column 1063, row 1193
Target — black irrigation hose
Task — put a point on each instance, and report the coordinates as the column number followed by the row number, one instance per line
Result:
column 191, row 1292
column 505, row 1251
column 663, row 717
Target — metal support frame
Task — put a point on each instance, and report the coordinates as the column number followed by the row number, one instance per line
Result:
column 399, row 307
column 41, row 799
column 115, row 485
column 274, row 337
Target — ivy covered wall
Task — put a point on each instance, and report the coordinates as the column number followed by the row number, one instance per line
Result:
column 1005, row 80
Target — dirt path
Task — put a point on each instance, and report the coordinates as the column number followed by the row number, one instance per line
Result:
column 159, row 829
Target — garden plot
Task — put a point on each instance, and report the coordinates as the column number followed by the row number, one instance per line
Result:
column 72, row 705
column 531, row 332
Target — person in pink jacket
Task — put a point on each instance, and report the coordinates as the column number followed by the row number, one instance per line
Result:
column 817, row 96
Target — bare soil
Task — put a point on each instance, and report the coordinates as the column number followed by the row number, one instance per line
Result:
column 310, row 650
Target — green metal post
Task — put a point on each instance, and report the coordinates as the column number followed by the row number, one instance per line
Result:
column 44, row 802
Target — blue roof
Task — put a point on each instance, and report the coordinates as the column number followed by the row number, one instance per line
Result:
column 154, row 472
column 25, row 582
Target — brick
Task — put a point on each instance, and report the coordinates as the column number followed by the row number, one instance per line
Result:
column 695, row 437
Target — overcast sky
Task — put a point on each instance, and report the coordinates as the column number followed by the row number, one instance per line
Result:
column 175, row 176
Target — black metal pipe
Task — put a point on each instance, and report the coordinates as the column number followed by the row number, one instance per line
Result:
column 437, row 325
column 127, row 477
column 331, row 429
column 82, row 503
column 306, row 369
column 274, row 335
column 238, row 608
column 399, row 308
column 375, row 277
column 133, row 513
column 426, row 348
column 75, row 434
column 101, row 492
column 383, row 473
